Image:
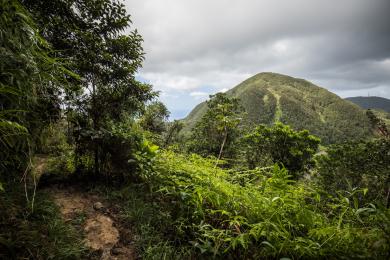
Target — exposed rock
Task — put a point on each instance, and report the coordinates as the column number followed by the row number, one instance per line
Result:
column 118, row 251
column 100, row 233
column 103, row 232
column 98, row 205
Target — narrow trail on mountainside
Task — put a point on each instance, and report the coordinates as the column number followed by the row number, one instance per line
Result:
column 100, row 224
column 96, row 218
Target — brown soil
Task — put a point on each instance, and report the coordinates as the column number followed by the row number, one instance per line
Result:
column 102, row 230
column 39, row 164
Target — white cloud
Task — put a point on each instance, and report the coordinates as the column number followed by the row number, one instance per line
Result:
column 165, row 81
column 198, row 94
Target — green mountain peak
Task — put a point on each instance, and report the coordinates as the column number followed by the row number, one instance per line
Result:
column 271, row 97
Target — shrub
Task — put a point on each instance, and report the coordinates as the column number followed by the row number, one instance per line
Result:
column 272, row 217
column 126, row 153
column 357, row 165
column 282, row 145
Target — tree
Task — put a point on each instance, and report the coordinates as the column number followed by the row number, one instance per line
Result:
column 155, row 117
column 357, row 165
column 282, row 145
column 30, row 81
column 378, row 124
column 89, row 34
column 218, row 129
column 171, row 135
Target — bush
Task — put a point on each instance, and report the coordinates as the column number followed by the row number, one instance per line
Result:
column 282, row 145
column 357, row 165
column 126, row 153
column 272, row 217
column 53, row 139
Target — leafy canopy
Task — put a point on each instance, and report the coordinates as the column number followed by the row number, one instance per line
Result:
column 91, row 36
column 357, row 165
column 30, row 82
column 282, row 145
column 218, row 127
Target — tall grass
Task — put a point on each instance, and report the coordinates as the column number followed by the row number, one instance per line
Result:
column 42, row 234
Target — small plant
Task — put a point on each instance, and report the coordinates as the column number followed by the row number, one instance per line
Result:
column 42, row 234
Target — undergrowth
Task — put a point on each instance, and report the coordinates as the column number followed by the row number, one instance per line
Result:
column 150, row 220
column 41, row 234
column 189, row 208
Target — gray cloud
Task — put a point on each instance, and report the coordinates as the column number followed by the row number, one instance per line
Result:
column 205, row 46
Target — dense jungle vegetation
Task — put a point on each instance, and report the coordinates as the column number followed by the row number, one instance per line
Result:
column 73, row 114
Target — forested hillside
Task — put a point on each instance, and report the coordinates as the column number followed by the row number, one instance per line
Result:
column 271, row 97
column 91, row 168
column 371, row 102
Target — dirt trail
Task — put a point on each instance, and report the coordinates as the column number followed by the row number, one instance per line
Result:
column 102, row 230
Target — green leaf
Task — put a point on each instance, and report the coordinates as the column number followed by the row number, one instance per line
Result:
column 153, row 148
column 268, row 244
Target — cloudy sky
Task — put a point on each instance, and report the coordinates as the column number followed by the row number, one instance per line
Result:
column 199, row 47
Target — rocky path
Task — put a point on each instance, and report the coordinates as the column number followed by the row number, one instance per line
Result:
column 98, row 220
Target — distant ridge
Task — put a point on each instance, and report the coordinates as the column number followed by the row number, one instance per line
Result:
column 371, row 102
column 270, row 97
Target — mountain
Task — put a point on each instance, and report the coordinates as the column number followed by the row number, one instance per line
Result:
column 371, row 102
column 271, row 97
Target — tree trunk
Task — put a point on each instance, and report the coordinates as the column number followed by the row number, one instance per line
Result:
column 169, row 136
column 388, row 192
column 223, row 144
column 95, row 127
column 96, row 160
